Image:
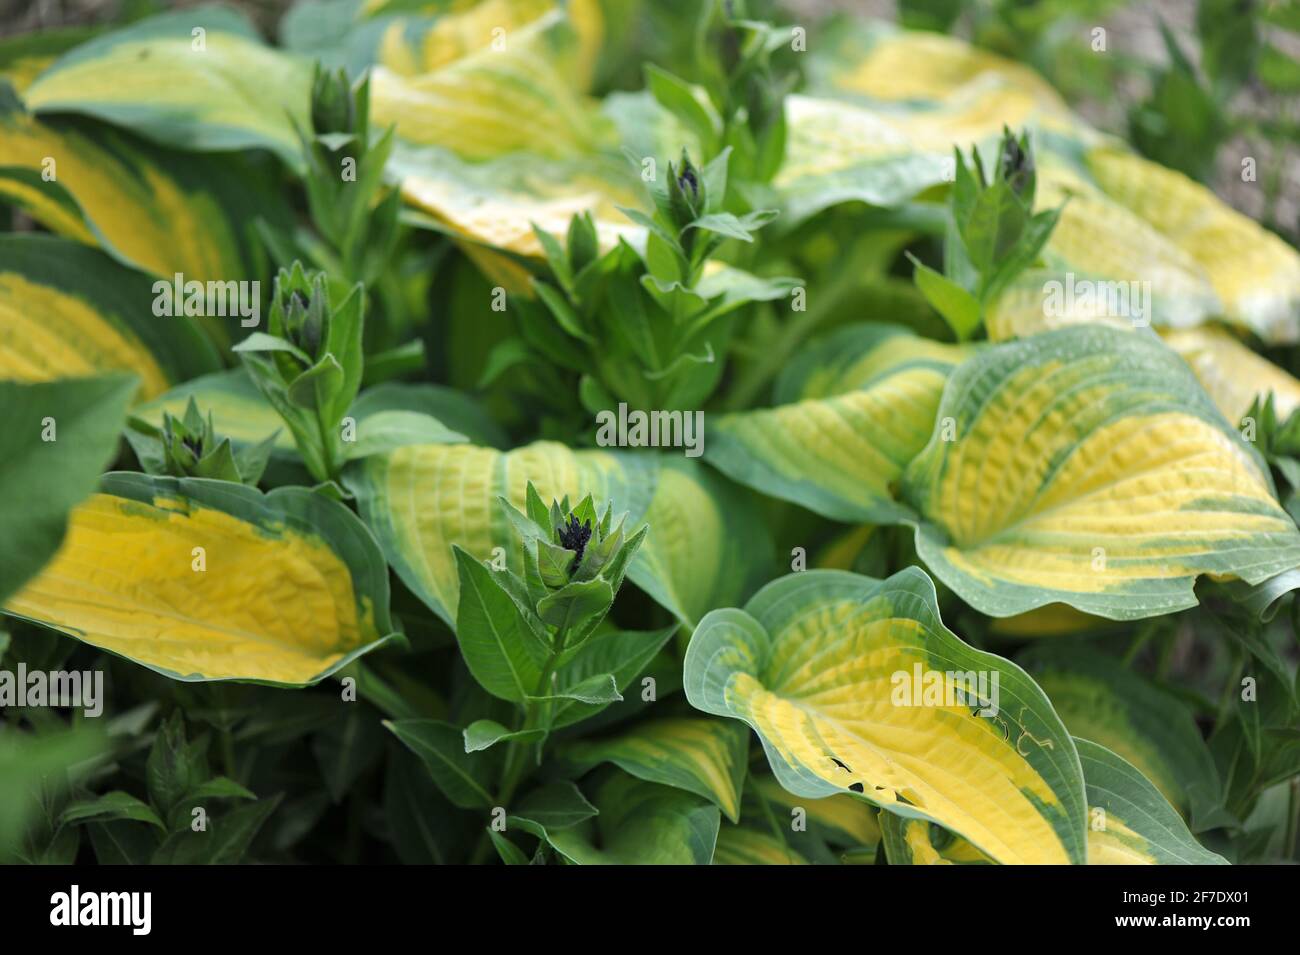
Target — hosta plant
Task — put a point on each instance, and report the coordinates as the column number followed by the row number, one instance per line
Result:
column 631, row 432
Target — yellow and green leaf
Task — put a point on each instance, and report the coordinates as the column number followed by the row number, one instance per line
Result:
column 1232, row 374
column 740, row 845
column 68, row 311
column 1100, row 699
column 859, row 407
column 58, row 437
column 521, row 94
column 819, row 664
column 161, row 211
column 921, row 94
column 208, row 580
column 839, row 152
column 917, row 842
column 1255, row 274
column 238, row 409
column 704, row 756
column 494, row 204
column 843, row 820
column 1089, row 468
column 641, row 823
column 705, row 542
column 25, row 56
column 1129, row 821
column 198, row 79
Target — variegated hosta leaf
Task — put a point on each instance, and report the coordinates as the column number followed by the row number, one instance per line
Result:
column 1100, row 699
column 705, row 542
column 1050, row 620
column 1255, row 273
column 207, row 580
column 159, row 210
column 421, row 43
column 641, row 823
column 703, row 756
column 740, row 845
column 238, row 409
column 517, row 95
column 495, row 203
column 876, row 60
column 69, row 311
column 1233, row 374
column 1104, row 264
column 194, row 79
column 1088, row 467
column 1129, row 822
column 917, row 842
column 25, row 56
column 839, row 152
column 831, row 669
column 861, row 406
column 843, row 820
column 1127, row 219
column 240, row 413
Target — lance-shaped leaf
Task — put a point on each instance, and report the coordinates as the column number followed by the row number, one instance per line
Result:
column 555, row 806
column 703, row 756
column 199, row 79
column 1100, row 699
column 57, row 439
column 69, row 311
column 1129, row 822
column 704, row 542
column 860, row 405
column 622, row 654
column 466, row 778
column 829, row 669
column 1090, row 468
column 209, row 580
column 504, row 649
column 238, row 410
column 641, row 823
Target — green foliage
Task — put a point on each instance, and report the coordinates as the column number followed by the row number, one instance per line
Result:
column 993, row 234
column 356, row 593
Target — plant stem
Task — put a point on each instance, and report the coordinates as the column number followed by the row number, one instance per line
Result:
column 1292, row 820
column 327, row 454
column 534, row 714
column 1136, row 646
column 751, row 382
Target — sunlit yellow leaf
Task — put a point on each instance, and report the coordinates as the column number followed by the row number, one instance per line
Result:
column 420, row 500
column 828, row 668
column 69, row 311
column 860, row 406
column 207, row 580
column 1088, row 467
column 1233, row 374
